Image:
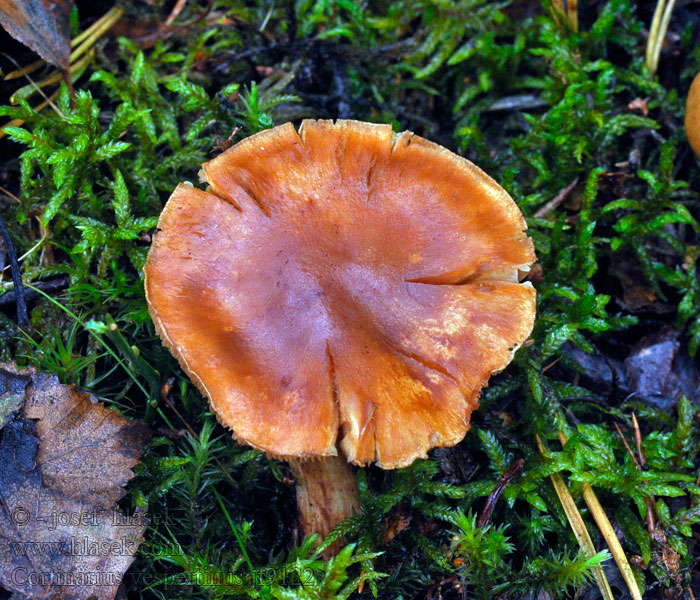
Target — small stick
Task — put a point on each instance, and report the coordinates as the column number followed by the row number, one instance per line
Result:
column 663, row 29
column 627, row 446
column 52, row 285
column 654, row 32
column 491, row 501
column 556, row 201
column 638, row 442
column 641, row 465
column 10, row 195
column 29, row 252
column 20, row 302
column 225, row 144
column 550, row 365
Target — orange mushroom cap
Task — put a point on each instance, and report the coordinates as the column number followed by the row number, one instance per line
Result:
column 692, row 115
column 345, row 282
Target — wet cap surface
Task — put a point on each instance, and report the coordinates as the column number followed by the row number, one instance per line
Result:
column 343, row 285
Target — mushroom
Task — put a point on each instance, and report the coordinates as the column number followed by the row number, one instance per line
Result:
column 341, row 295
column 692, row 116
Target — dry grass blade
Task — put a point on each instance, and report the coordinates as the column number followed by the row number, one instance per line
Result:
column 578, row 526
column 76, row 69
column 102, row 26
column 48, row 100
column 657, row 33
column 112, row 15
column 566, row 11
column 175, row 12
column 608, row 533
column 30, row 68
column 80, row 58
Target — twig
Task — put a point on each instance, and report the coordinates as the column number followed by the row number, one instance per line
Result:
column 260, row 30
column 638, row 443
column 627, row 446
column 108, row 16
column 606, row 529
column 164, row 32
column 578, row 526
column 491, row 501
column 641, row 465
column 550, row 365
column 29, row 252
column 10, row 195
column 52, row 285
column 556, row 201
column 20, row 302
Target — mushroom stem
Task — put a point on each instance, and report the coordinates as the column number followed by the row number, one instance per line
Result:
column 327, row 493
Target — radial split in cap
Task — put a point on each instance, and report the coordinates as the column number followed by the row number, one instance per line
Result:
column 343, row 285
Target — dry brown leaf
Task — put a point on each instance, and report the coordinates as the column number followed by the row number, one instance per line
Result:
column 43, row 25
column 395, row 524
column 640, row 104
column 64, row 461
